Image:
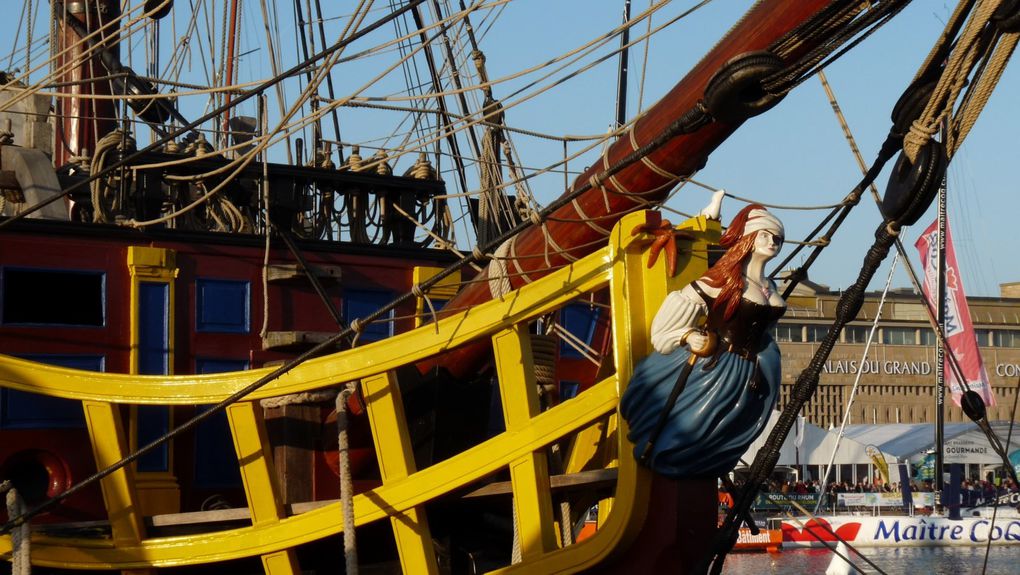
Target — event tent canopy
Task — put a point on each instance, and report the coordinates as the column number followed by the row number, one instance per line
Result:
column 809, row 444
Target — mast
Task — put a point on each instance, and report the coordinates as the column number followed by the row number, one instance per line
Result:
column 228, row 79
column 621, row 89
column 81, row 119
column 579, row 226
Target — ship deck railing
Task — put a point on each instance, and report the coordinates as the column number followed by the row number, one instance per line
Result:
column 599, row 454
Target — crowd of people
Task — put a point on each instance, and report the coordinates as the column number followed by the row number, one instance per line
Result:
column 973, row 491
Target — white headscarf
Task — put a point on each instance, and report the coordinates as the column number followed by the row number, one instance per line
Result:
column 758, row 220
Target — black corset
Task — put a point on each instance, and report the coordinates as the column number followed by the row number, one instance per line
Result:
column 743, row 332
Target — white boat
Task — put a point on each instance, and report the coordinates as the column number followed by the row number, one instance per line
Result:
column 897, row 531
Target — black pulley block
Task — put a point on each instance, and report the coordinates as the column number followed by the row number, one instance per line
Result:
column 735, row 92
column 910, row 105
column 913, row 185
column 163, row 10
column 973, row 405
column 1007, row 16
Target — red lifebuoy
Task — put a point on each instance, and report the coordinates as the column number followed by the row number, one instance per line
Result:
column 37, row 474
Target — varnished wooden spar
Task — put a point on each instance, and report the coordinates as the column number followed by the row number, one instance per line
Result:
column 640, row 183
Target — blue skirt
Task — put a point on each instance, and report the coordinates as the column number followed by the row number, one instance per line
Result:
column 715, row 418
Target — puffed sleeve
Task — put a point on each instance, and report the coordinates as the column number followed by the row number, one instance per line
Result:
column 678, row 315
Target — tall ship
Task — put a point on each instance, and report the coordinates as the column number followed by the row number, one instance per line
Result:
column 263, row 311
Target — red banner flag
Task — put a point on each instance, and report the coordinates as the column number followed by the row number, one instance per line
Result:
column 959, row 330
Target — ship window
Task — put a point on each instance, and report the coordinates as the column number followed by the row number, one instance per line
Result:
column 579, row 320
column 52, row 297
column 792, row 332
column 899, row 335
column 569, row 389
column 221, row 306
column 360, row 303
column 215, row 458
column 23, row 410
column 153, row 359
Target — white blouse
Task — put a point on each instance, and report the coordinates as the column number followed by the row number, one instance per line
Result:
column 678, row 315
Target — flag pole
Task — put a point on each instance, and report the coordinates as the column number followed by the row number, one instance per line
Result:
column 940, row 352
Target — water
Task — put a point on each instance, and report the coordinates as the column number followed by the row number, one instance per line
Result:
column 1002, row 560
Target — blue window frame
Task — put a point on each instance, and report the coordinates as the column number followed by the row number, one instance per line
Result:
column 222, row 306
column 153, row 359
column 360, row 303
column 74, row 298
column 23, row 410
column 215, row 459
column 153, row 328
column 580, row 320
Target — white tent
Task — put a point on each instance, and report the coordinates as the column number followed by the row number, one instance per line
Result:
column 808, row 444
column 964, row 442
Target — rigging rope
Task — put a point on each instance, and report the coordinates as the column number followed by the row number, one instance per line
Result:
column 334, row 49
column 690, row 122
column 857, row 378
column 346, row 481
column 977, row 34
column 847, row 308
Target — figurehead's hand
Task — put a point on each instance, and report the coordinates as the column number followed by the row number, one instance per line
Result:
column 701, row 342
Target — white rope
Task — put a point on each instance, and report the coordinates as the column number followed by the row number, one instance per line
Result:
column 346, row 483
column 303, row 398
column 21, row 562
column 499, row 278
column 857, row 379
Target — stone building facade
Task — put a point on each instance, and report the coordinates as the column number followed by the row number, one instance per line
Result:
column 896, row 379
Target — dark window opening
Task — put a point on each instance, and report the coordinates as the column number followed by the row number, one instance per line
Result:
column 222, row 306
column 53, row 297
column 360, row 303
column 579, row 319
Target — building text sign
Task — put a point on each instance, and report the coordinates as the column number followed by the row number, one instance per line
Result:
column 894, row 367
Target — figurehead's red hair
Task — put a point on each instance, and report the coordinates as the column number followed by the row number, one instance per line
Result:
column 728, row 273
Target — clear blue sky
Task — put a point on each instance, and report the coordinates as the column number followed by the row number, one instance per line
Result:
column 795, row 154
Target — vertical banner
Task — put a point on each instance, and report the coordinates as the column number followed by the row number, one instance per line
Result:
column 905, row 491
column 959, row 330
column 878, row 458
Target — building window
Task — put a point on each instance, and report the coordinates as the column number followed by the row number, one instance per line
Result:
column 856, row 334
column 1006, row 338
column 53, row 297
column 899, row 335
column 579, row 320
column 816, row 332
column 360, row 303
column 792, row 332
column 983, row 337
column 927, row 336
column 222, row 306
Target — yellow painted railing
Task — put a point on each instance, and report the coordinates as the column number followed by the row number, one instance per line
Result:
column 590, row 419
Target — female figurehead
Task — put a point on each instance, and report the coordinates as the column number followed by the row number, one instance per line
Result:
column 705, row 393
